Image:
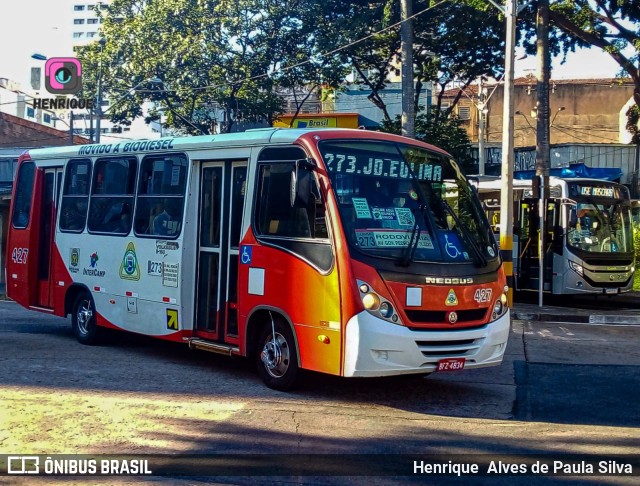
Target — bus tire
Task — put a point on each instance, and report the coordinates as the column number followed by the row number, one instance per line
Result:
column 277, row 362
column 83, row 320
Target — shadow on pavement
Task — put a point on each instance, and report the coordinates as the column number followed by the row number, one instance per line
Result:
column 577, row 394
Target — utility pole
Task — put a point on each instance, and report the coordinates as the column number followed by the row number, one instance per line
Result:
column 70, row 127
column 510, row 11
column 481, row 123
column 406, row 50
column 98, row 109
column 541, row 180
column 506, row 192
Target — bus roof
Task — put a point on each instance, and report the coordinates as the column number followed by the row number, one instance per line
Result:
column 200, row 142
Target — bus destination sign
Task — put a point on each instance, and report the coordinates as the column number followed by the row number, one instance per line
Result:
column 597, row 191
column 381, row 167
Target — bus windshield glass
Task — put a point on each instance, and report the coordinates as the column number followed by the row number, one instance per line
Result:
column 600, row 221
column 600, row 227
column 407, row 203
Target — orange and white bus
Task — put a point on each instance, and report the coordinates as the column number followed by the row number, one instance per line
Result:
column 340, row 251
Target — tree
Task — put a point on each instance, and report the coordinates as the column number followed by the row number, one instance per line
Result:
column 212, row 56
column 446, row 46
column 611, row 25
column 466, row 39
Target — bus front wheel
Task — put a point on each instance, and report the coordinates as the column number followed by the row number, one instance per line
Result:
column 277, row 359
column 83, row 320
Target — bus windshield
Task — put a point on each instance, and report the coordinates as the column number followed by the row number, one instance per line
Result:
column 407, row 203
column 600, row 226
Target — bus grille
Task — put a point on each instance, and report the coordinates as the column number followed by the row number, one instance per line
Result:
column 436, row 350
column 602, row 262
column 440, row 317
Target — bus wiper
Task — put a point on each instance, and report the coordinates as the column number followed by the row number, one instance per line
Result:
column 480, row 258
column 407, row 258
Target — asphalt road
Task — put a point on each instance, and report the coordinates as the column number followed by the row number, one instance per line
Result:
column 563, row 388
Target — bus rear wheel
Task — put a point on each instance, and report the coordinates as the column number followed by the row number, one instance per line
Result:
column 83, row 320
column 277, row 358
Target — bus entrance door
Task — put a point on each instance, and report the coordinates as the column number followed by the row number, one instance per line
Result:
column 527, row 271
column 528, row 265
column 48, row 212
column 222, row 191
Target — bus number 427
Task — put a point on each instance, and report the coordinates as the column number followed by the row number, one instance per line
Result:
column 19, row 255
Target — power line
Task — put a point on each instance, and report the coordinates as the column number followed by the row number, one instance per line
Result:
column 564, row 128
column 323, row 54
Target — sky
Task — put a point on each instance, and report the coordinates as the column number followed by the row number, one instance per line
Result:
column 29, row 26
column 44, row 26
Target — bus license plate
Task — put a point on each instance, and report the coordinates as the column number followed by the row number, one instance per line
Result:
column 450, row 364
column 611, row 291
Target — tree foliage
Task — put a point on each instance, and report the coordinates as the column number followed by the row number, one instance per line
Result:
column 446, row 44
column 240, row 57
column 209, row 54
column 611, row 25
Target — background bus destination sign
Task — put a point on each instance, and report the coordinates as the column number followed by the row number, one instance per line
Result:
column 380, row 167
column 597, row 191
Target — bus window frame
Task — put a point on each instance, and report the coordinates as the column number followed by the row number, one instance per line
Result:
column 29, row 199
column 255, row 223
column 289, row 244
column 133, row 196
column 67, row 164
column 182, row 196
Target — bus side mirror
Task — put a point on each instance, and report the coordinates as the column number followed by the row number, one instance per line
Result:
column 300, row 189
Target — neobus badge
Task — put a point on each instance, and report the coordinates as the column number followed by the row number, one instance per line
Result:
column 449, row 281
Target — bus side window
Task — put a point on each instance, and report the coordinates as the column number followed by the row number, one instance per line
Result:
column 75, row 195
column 112, row 195
column 160, row 202
column 24, row 192
column 275, row 215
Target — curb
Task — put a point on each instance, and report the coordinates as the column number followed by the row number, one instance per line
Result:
column 596, row 319
column 549, row 317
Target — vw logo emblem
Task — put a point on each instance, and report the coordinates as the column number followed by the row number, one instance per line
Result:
column 453, row 317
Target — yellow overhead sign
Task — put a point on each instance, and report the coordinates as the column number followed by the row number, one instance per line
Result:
column 335, row 120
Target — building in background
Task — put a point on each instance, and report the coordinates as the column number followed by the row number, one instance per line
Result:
column 581, row 111
column 19, row 103
column 587, row 123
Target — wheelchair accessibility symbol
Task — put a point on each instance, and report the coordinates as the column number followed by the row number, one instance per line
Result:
column 245, row 254
column 451, row 249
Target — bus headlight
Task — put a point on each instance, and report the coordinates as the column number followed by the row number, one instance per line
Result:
column 497, row 308
column 376, row 305
column 576, row 267
column 371, row 301
column 386, row 310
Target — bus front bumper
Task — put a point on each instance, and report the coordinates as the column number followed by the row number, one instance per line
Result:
column 610, row 283
column 375, row 347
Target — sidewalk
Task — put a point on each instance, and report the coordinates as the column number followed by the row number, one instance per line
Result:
column 621, row 309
